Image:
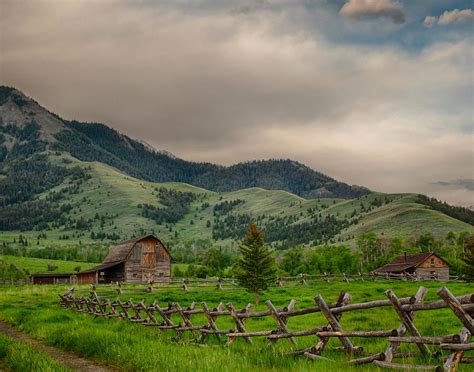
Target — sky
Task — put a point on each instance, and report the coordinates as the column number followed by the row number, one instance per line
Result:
column 371, row 92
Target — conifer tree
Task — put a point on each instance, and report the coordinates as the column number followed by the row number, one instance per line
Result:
column 468, row 265
column 255, row 269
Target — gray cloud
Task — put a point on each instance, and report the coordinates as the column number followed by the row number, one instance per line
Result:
column 467, row 184
column 210, row 86
column 360, row 9
column 455, row 16
column 249, row 7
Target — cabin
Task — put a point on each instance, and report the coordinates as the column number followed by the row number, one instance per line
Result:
column 139, row 260
column 425, row 266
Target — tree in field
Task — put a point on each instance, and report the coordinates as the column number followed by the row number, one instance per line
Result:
column 468, row 258
column 215, row 260
column 255, row 269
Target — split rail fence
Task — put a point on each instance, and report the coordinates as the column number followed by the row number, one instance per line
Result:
column 406, row 308
column 190, row 284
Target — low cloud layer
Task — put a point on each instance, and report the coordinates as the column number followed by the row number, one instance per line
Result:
column 361, row 9
column 467, row 184
column 455, row 16
column 208, row 84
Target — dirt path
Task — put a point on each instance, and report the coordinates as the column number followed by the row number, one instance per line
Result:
column 70, row 360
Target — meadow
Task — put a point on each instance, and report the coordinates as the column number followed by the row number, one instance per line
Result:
column 132, row 347
column 40, row 265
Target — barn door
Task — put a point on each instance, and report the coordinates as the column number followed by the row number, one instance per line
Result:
column 148, row 256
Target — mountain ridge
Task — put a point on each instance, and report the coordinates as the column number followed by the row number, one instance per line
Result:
column 98, row 142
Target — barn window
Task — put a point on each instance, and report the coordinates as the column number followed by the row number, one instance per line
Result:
column 434, row 275
column 432, row 261
column 137, row 252
column 160, row 255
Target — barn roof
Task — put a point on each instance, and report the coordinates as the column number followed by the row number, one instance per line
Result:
column 120, row 252
column 100, row 267
column 404, row 262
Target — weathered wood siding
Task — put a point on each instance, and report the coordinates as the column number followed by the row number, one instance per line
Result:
column 433, row 262
column 148, row 260
column 439, row 273
column 86, row 278
column 51, row 279
column 433, row 268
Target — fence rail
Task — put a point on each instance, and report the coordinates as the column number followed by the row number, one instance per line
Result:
column 405, row 309
column 282, row 281
column 192, row 284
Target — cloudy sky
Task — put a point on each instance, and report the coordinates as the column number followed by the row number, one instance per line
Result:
column 372, row 92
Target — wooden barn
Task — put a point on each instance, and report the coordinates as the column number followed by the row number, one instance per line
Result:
column 426, row 266
column 138, row 260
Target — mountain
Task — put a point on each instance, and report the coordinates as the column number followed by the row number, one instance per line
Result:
column 28, row 128
column 70, row 189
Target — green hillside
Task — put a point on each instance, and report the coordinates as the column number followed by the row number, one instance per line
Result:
column 110, row 205
column 43, row 266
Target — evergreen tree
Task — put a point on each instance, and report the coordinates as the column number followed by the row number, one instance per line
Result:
column 255, row 269
column 468, row 258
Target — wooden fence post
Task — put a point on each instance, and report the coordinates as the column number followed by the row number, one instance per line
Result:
column 335, row 326
column 211, row 324
column 303, row 279
column 406, row 319
column 452, row 362
column 238, row 322
column 165, row 316
column 343, row 299
column 457, row 308
column 389, row 353
column 186, row 320
column 280, row 322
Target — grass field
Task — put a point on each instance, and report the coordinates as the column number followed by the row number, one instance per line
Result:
column 40, row 266
column 132, row 347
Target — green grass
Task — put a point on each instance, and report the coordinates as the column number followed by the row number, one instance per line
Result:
column 22, row 357
column 132, row 347
column 109, row 192
column 40, row 266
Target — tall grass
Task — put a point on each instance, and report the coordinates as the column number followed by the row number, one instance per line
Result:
column 19, row 356
column 132, row 347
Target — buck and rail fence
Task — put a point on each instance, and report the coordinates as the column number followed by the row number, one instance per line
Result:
column 282, row 281
column 193, row 284
column 97, row 303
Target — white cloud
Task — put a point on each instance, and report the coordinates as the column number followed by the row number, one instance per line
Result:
column 359, row 9
column 430, row 21
column 455, row 16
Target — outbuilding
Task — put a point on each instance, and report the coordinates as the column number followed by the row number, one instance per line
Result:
column 63, row 278
column 138, row 260
column 425, row 266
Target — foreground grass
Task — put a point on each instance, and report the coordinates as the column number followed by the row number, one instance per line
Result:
column 132, row 347
column 19, row 356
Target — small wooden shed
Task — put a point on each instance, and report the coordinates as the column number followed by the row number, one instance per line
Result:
column 426, row 266
column 61, row 278
column 138, row 260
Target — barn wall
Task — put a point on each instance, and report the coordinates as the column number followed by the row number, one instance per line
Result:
column 433, row 262
column 51, row 279
column 43, row 280
column 426, row 273
column 148, row 260
column 86, row 278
